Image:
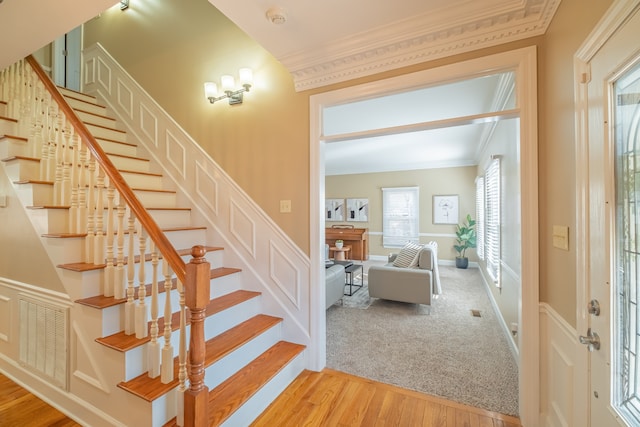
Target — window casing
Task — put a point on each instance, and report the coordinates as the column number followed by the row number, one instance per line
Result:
column 400, row 216
column 480, row 217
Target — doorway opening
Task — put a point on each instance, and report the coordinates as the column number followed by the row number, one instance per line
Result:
column 522, row 64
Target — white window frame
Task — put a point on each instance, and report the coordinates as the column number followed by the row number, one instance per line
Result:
column 493, row 203
column 407, row 216
column 480, row 214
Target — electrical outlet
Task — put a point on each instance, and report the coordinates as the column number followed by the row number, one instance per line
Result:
column 285, row 206
column 514, row 329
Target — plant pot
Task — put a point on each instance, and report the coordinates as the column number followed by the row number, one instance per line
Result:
column 462, row 262
column 339, row 245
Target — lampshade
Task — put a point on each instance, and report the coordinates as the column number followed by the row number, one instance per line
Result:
column 210, row 90
column 228, row 83
column 246, row 76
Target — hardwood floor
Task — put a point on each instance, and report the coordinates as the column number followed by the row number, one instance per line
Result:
column 328, row 398
column 18, row 407
column 332, row 398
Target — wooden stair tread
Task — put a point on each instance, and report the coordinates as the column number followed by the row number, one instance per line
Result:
column 33, row 181
column 139, row 173
column 66, row 94
column 70, row 236
column 122, row 342
column 152, row 190
column 237, row 389
column 104, row 127
column 19, row 138
column 86, row 266
column 130, row 144
column 102, row 116
column 124, row 156
column 48, row 207
column 215, row 349
column 12, row 158
column 9, row 119
column 101, row 301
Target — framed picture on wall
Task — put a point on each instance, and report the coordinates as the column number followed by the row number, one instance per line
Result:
column 445, row 209
column 358, row 210
column 334, row 209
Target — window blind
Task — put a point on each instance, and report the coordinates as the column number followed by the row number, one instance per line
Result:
column 492, row 231
column 400, row 216
column 480, row 214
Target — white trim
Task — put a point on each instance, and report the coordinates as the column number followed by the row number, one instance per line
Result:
column 70, row 404
column 42, row 294
column 523, row 61
column 505, row 328
column 379, row 233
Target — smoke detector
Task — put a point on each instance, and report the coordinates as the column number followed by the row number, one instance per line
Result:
column 277, row 15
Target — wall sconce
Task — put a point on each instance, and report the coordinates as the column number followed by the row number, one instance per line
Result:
column 229, row 88
column 124, row 4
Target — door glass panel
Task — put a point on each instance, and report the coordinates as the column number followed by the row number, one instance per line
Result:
column 626, row 336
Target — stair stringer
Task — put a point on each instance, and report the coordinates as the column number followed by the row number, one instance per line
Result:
column 251, row 238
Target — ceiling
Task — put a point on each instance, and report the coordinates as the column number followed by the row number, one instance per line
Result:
column 330, row 41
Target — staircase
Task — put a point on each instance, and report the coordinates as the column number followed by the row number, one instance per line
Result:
column 129, row 295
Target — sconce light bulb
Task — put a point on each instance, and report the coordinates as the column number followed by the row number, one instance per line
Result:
column 228, row 83
column 210, row 91
column 246, row 77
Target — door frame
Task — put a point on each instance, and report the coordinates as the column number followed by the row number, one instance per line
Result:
column 523, row 61
column 612, row 20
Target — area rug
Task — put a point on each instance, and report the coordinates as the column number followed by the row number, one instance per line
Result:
column 444, row 351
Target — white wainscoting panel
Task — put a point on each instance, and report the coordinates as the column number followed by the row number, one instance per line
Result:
column 558, row 346
column 6, row 316
column 233, row 220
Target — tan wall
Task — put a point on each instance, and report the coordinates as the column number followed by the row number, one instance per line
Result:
column 22, row 257
column 171, row 48
column 432, row 182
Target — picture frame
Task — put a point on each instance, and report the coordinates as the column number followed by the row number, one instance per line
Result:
column 334, row 210
column 445, row 209
column 358, row 210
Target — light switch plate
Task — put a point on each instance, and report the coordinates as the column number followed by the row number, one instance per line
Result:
column 285, row 206
column 561, row 237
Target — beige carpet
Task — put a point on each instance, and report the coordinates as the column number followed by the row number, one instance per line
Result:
column 448, row 353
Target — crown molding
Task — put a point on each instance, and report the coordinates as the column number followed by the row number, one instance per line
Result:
column 415, row 40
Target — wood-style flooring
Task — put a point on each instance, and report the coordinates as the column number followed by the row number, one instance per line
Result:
column 327, row 398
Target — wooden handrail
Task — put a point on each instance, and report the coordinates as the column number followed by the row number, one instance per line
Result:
column 162, row 243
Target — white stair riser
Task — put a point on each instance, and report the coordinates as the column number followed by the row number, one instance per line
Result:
column 149, row 182
column 248, row 412
column 164, row 409
column 187, row 238
column 94, row 119
column 227, row 284
column 129, row 164
column 22, row 170
column 3, row 109
column 118, row 148
column 77, row 95
column 216, row 373
column 171, row 218
column 156, row 199
column 8, row 127
column 86, row 106
column 51, row 221
column 107, row 133
column 10, row 147
column 35, row 194
column 67, row 250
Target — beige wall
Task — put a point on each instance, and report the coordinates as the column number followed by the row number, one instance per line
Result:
column 171, row 48
column 22, row 257
column 432, row 182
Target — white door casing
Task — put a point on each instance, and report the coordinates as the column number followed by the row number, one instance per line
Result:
column 523, row 62
column 604, row 56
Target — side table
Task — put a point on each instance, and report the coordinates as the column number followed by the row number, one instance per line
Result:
column 349, row 273
column 340, row 254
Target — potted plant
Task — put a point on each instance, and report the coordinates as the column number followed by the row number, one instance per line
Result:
column 465, row 239
column 339, row 244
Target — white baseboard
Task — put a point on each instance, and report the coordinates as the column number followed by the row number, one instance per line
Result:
column 512, row 344
column 67, row 403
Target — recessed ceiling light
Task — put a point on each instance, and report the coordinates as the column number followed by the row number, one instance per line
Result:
column 277, row 15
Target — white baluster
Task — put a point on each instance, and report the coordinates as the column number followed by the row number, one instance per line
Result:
column 75, row 180
column 58, row 160
column 46, row 137
column 109, row 269
column 91, row 210
column 83, row 189
column 67, row 160
column 182, row 356
column 154, row 348
column 167, row 350
column 142, row 328
column 50, row 167
column 98, row 251
column 118, row 282
column 130, row 305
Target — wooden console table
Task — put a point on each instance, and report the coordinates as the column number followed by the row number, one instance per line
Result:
column 357, row 238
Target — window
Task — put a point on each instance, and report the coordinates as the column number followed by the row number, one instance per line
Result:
column 400, row 216
column 492, row 219
column 480, row 216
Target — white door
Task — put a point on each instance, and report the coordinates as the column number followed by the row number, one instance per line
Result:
column 612, row 337
column 66, row 59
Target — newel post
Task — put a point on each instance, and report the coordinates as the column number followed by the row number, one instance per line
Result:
column 197, row 297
